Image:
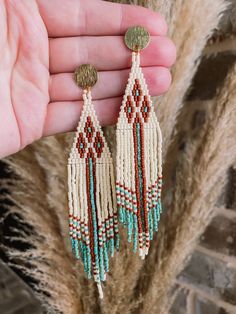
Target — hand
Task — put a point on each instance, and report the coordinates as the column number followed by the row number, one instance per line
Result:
column 41, row 44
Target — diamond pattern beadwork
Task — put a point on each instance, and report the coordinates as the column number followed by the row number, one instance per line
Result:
column 129, row 109
column 89, row 129
column 81, row 145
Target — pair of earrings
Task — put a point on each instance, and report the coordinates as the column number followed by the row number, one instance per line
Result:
column 95, row 200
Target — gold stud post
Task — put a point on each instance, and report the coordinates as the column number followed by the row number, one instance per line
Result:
column 137, row 38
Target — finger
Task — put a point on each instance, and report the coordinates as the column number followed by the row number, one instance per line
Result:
column 64, row 116
column 106, row 53
column 110, row 84
column 93, row 17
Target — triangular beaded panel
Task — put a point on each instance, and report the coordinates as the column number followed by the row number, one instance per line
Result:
column 89, row 137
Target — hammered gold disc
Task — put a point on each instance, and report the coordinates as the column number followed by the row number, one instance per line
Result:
column 86, row 76
column 137, row 38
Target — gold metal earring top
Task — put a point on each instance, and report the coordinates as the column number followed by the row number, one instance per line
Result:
column 86, row 76
column 137, row 38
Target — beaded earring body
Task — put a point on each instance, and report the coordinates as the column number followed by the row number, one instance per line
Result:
column 92, row 204
column 139, row 154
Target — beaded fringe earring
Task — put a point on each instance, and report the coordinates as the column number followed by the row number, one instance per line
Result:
column 139, row 153
column 93, row 217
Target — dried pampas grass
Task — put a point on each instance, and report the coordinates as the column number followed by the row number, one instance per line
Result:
column 37, row 192
column 200, row 176
column 45, row 259
column 190, row 27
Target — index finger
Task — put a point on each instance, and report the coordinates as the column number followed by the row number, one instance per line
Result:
column 96, row 17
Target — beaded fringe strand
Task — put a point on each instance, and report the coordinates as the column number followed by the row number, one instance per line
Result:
column 93, row 217
column 139, row 162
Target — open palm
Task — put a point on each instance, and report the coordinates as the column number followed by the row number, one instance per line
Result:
column 42, row 42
